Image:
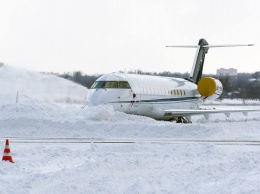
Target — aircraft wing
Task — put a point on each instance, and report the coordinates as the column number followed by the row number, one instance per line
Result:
column 205, row 112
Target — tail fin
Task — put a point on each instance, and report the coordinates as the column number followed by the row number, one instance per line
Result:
column 197, row 68
column 202, row 50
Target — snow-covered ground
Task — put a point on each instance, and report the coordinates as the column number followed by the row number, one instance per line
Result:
column 60, row 147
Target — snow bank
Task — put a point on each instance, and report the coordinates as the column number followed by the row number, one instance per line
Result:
column 38, row 86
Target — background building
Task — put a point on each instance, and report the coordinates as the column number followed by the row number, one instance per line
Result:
column 230, row 72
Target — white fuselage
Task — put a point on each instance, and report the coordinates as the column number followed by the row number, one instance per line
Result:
column 145, row 95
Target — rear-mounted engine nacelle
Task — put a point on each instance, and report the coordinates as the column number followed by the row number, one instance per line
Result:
column 210, row 88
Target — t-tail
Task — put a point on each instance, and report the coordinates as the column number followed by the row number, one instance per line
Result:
column 202, row 50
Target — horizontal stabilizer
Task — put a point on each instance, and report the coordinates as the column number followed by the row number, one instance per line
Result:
column 210, row 46
column 184, row 46
column 227, row 45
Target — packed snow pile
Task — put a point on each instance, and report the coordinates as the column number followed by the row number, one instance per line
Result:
column 39, row 86
column 65, row 148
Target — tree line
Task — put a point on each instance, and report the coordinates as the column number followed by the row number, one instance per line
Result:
column 243, row 85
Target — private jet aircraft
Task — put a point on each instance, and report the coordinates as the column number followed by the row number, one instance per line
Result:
column 162, row 98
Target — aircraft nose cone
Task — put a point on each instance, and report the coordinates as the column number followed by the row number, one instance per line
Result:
column 95, row 97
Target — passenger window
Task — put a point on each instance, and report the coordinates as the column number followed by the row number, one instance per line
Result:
column 177, row 92
column 124, row 85
column 181, row 92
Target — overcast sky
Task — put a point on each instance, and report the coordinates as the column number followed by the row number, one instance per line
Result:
column 102, row 36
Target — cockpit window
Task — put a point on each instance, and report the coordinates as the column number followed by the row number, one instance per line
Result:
column 99, row 84
column 124, row 85
column 111, row 84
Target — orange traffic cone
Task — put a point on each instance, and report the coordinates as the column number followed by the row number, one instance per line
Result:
column 7, row 153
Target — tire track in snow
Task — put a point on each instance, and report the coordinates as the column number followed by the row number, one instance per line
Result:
column 128, row 141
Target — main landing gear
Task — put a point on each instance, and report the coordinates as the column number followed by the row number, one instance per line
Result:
column 183, row 120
